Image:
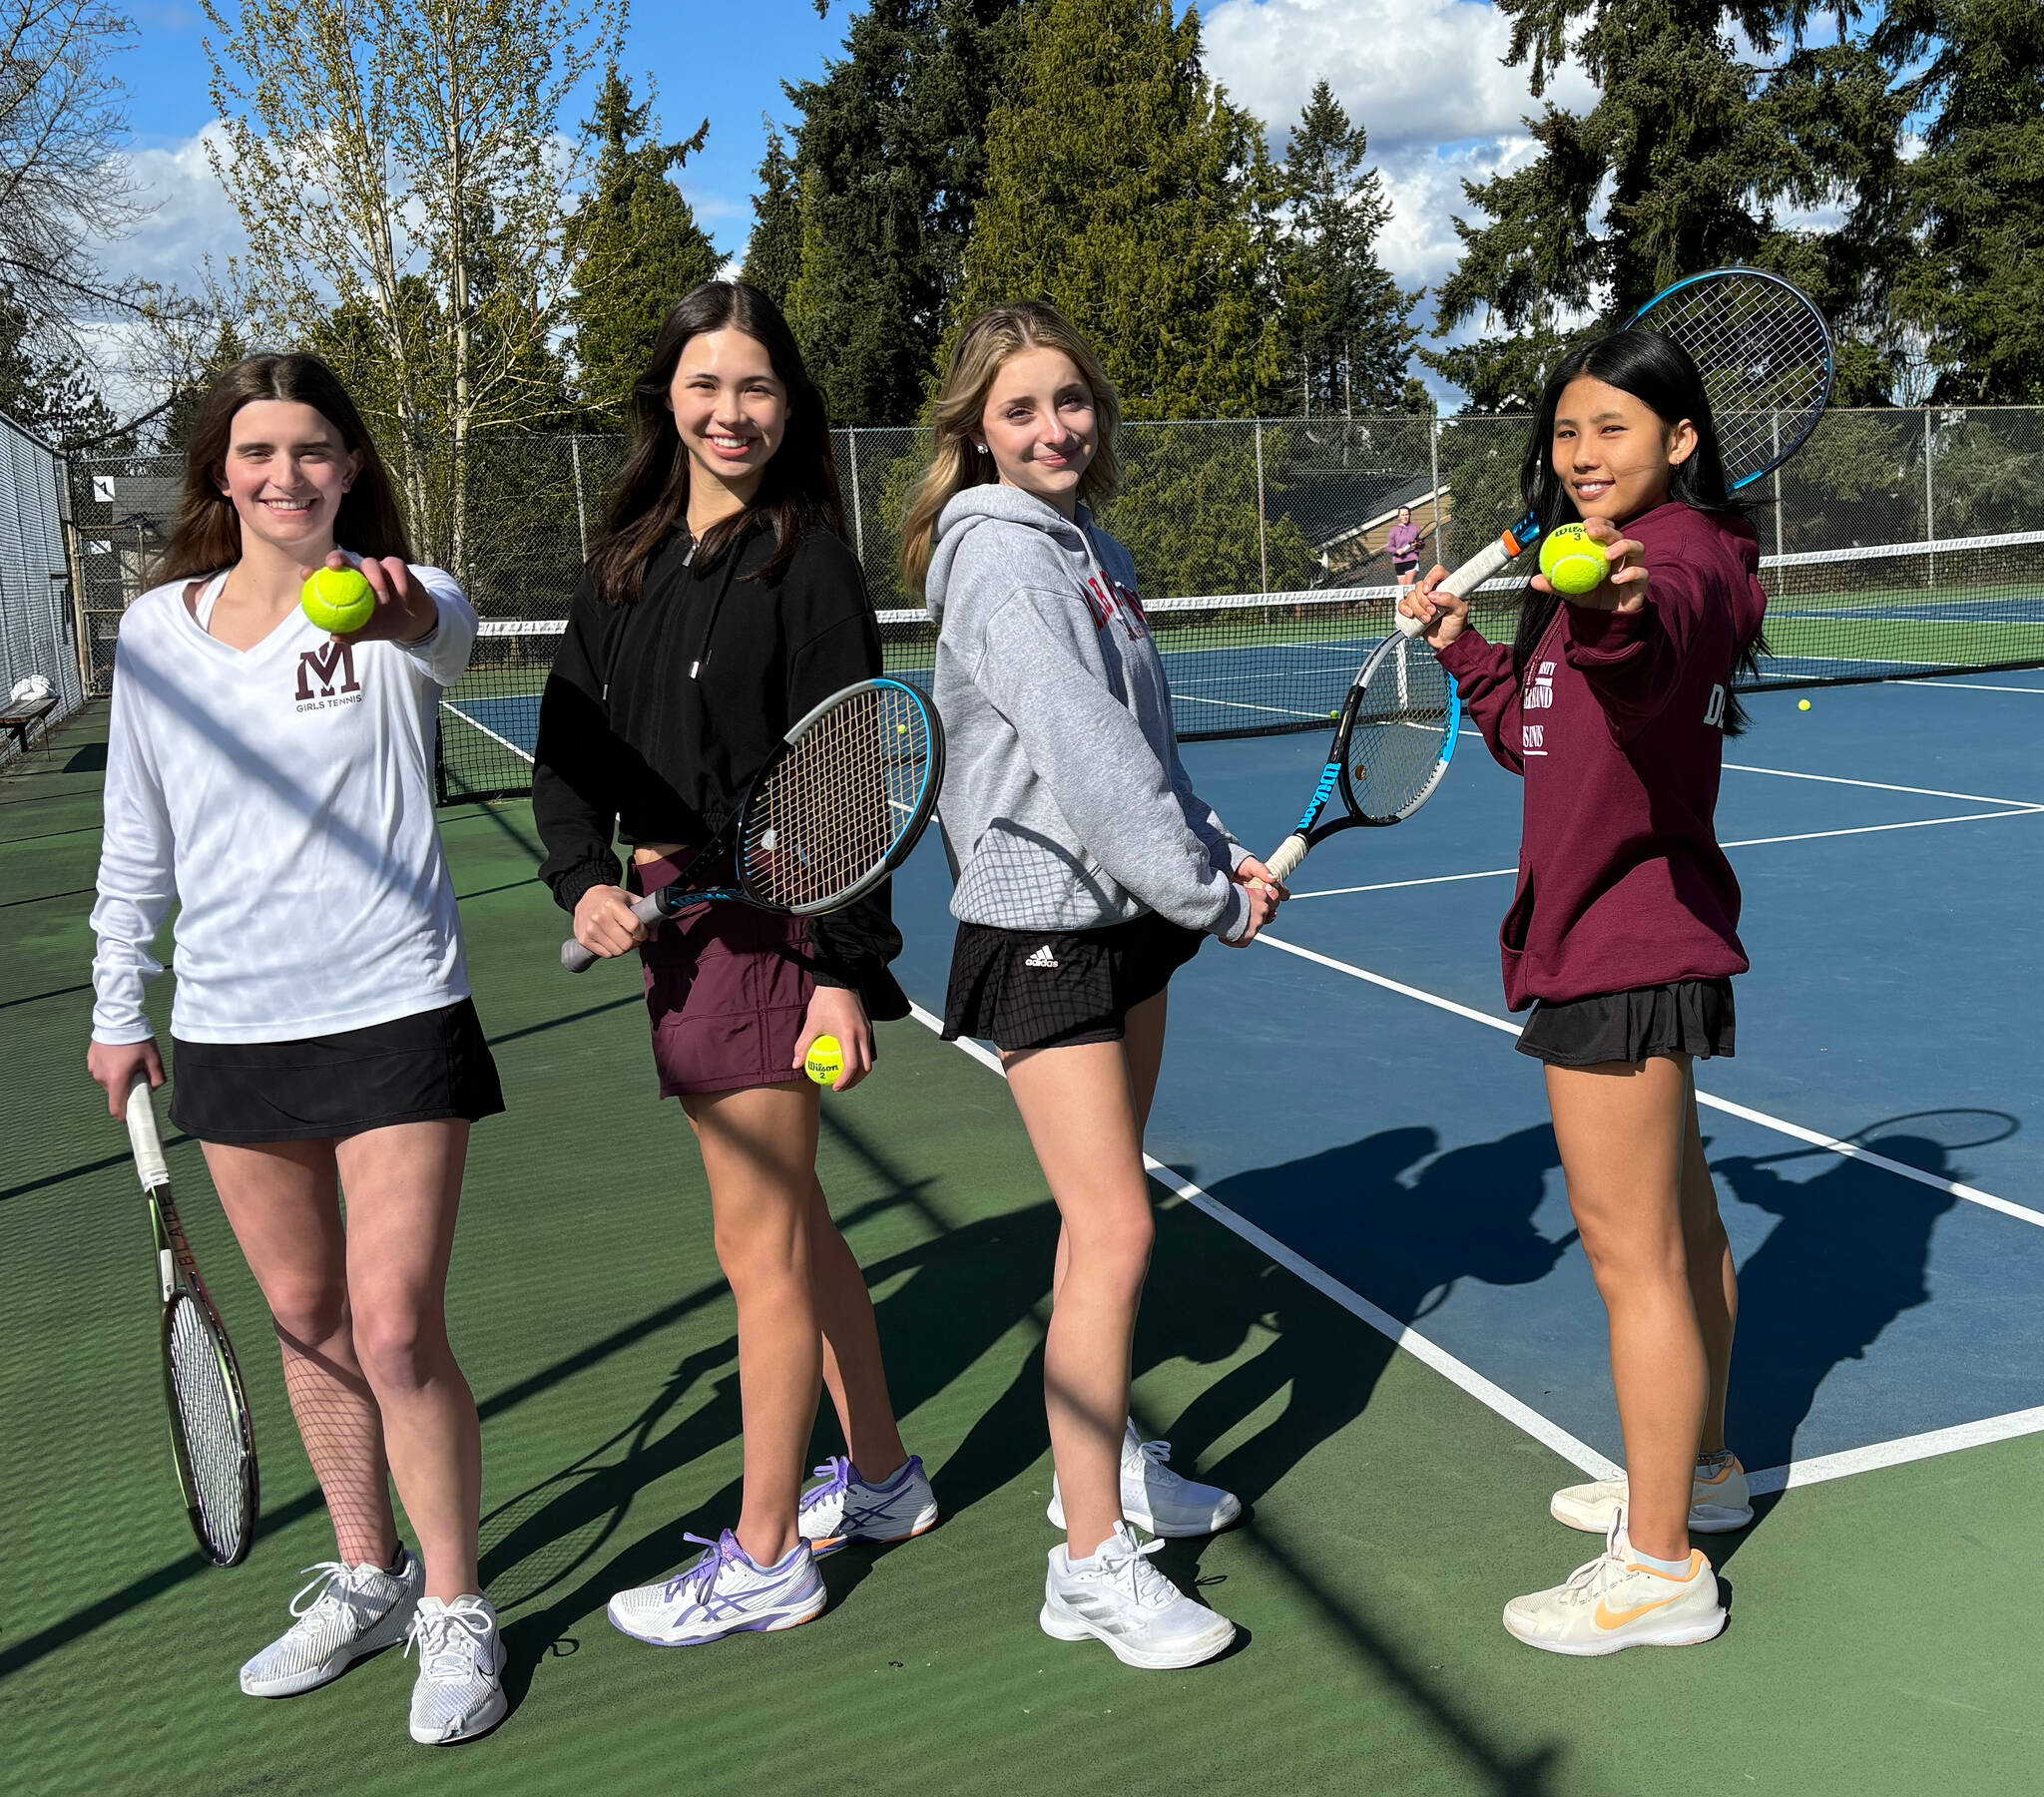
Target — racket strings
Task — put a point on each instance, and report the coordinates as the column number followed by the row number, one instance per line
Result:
column 1766, row 359
column 1400, row 729
column 831, row 810
column 210, row 1422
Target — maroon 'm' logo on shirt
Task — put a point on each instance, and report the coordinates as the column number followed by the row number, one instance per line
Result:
column 323, row 664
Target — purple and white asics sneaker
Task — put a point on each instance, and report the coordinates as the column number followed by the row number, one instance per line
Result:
column 847, row 1509
column 725, row 1591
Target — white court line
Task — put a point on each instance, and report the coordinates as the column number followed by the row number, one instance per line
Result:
column 1816, row 1137
column 450, row 706
column 1402, row 1335
column 1832, row 780
column 1968, row 686
column 1871, row 1459
column 1864, row 829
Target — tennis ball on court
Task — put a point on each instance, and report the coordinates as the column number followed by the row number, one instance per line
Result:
column 1802, row 704
column 1573, row 560
column 826, row 1060
column 340, row 599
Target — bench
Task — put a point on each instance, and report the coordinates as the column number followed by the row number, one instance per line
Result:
column 19, row 717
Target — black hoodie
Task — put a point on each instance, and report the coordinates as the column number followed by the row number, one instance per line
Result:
column 658, row 714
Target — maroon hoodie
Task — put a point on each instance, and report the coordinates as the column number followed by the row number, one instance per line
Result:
column 1617, row 727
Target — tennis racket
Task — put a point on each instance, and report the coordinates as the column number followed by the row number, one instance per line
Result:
column 1393, row 743
column 1766, row 356
column 837, row 807
column 213, row 1438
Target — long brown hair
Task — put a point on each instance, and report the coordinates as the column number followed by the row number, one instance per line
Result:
column 206, row 536
column 798, row 488
column 984, row 345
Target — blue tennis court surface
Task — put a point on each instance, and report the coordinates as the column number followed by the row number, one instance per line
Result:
column 1890, row 844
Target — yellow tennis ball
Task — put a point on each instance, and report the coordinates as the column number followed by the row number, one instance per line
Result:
column 1573, row 560
column 1802, row 704
column 826, row 1060
column 340, row 599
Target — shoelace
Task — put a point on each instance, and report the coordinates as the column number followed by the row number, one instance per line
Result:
column 444, row 1656
column 1147, row 1586
column 326, row 1575
column 698, row 1577
column 837, row 1472
column 1582, row 1585
column 1156, row 1453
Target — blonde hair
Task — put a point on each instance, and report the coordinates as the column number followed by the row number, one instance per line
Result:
column 985, row 347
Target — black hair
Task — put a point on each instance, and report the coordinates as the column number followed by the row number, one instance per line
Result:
column 800, row 487
column 1657, row 371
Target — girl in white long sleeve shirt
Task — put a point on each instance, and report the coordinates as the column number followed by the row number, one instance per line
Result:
column 274, row 783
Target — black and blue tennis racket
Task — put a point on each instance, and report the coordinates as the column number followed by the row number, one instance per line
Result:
column 837, row 807
column 1390, row 749
column 1766, row 356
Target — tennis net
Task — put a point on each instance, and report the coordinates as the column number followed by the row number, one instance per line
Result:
column 1245, row 664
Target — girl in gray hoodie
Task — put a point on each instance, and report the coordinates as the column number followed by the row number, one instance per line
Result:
column 1088, row 871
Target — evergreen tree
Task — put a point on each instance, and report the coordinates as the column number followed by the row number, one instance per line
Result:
column 635, row 246
column 1125, row 187
column 1692, row 146
column 888, row 166
column 47, row 389
column 1346, row 338
column 182, row 416
column 775, row 256
column 1975, row 197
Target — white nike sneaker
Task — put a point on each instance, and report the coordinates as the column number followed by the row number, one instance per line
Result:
column 345, row 1612
column 1717, row 1504
column 724, row 1591
column 459, row 1692
column 1119, row 1598
column 1612, row 1602
column 1159, row 1500
column 847, row 1509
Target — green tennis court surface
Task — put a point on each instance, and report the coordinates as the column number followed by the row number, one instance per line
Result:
column 1884, row 1631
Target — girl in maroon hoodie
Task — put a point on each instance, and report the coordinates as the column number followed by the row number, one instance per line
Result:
column 1623, row 936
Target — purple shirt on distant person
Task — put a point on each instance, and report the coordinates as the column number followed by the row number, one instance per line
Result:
column 1404, row 544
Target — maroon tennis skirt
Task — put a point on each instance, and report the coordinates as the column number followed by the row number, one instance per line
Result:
column 726, row 989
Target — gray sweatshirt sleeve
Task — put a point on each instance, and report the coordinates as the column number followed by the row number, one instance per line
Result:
column 1091, row 755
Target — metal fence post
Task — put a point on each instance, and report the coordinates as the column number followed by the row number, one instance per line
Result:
column 1929, row 493
column 1778, row 479
column 581, row 518
column 1433, row 470
column 1262, row 545
column 858, row 522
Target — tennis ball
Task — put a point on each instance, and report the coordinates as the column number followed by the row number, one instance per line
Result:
column 1573, row 560
column 1802, row 704
column 826, row 1060
column 340, row 599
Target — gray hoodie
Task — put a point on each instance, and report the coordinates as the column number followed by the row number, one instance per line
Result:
column 1064, row 806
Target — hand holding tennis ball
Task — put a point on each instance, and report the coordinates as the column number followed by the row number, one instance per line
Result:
column 826, row 1061
column 1573, row 561
column 340, row 599
column 1595, row 565
column 371, row 598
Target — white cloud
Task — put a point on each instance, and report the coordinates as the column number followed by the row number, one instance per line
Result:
column 1414, row 72
column 192, row 217
column 1425, row 187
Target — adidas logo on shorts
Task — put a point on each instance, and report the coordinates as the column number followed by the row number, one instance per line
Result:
column 1042, row 958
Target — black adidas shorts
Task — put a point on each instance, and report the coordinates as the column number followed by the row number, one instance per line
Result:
column 1050, row 989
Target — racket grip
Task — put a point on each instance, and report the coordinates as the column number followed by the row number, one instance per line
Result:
column 143, row 1137
column 579, row 960
column 1467, row 577
column 1291, row 852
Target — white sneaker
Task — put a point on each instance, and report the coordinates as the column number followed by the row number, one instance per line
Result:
column 345, row 1612
column 725, row 1591
column 1612, row 1602
column 1159, row 1500
column 1717, row 1504
column 459, row 1692
column 847, row 1509
column 1119, row 1598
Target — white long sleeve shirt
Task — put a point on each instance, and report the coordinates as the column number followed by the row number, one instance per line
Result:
column 282, row 795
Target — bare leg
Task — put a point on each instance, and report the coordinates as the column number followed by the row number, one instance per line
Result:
column 1143, row 1038
column 403, row 1187
column 853, row 1369
column 1713, row 1278
column 282, row 1201
column 760, row 1152
column 1622, row 1130
column 1079, row 1106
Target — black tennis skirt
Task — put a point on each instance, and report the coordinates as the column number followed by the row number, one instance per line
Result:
column 426, row 1068
column 1047, row 989
column 1685, row 1017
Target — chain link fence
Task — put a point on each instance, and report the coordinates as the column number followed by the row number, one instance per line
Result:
column 1897, row 542
column 39, row 657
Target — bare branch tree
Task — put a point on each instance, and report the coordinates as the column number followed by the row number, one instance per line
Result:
column 402, row 172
